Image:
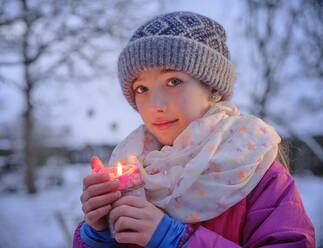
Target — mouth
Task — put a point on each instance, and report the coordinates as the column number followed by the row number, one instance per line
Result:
column 164, row 124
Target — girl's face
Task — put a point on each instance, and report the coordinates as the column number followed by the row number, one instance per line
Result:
column 168, row 101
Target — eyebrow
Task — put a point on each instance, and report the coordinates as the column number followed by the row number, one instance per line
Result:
column 168, row 70
column 162, row 71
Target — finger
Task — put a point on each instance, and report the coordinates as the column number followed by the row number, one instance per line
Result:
column 92, row 217
column 95, row 179
column 131, row 238
column 99, row 201
column 130, row 200
column 96, row 163
column 99, row 189
column 127, row 224
column 126, row 211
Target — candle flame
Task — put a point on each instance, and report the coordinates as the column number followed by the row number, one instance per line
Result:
column 119, row 169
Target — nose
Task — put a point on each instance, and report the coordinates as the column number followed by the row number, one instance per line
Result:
column 158, row 102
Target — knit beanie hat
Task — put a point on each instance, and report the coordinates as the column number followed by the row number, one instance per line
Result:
column 181, row 41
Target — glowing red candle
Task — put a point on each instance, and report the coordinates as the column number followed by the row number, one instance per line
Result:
column 129, row 175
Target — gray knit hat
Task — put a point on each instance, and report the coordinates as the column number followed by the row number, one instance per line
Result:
column 181, row 41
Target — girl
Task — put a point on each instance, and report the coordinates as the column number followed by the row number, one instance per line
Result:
column 211, row 175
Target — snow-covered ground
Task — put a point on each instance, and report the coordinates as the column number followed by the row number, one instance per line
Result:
column 48, row 218
column 34, row 221
column 311, row 191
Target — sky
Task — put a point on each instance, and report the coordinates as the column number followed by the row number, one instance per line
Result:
column 68, row 107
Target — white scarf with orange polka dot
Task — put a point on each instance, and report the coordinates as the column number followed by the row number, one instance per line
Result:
column 213, row 164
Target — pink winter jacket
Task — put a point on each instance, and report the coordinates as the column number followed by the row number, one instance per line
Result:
column 272, row 215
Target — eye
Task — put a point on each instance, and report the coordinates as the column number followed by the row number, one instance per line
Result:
column 174, row 82
column 140, row 89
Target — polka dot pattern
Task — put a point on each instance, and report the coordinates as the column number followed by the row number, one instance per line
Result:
column 214, row 163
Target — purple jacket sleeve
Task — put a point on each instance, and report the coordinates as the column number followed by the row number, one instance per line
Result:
column 203, row 237
column 77, row 241
column 275, row 218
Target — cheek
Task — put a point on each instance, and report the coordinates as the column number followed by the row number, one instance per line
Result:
column 141, row 103
column 138, row 102
column 142, row 109
column 191, row 106
column 143, row 114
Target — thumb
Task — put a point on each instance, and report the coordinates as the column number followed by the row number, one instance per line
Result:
column 96, row 163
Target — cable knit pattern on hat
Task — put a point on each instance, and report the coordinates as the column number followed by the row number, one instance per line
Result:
column 182, row 41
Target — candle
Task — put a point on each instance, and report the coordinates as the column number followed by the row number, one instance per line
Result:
column 129, row 175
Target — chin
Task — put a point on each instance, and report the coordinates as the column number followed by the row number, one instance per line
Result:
column 165, row 142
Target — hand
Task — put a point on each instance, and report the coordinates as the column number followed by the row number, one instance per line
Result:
column 135, row 220
column 97, row 198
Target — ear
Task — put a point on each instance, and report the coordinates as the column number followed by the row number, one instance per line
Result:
column 216, row 96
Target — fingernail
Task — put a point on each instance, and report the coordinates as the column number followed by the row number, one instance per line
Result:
column 117, row 194
column 105, row 177
column 116, row 183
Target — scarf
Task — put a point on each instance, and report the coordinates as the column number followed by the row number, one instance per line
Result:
column 215, row 162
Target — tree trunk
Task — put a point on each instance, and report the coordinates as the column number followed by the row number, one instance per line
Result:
column 28, row 150
column 27, row 117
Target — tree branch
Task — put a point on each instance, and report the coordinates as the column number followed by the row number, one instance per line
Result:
column 10, row 63
column 307, row 139
column 11, row 82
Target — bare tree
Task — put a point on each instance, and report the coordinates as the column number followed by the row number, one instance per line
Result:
column 287, row 48
column 271, row 48
column 309, row 19
column 61, row 41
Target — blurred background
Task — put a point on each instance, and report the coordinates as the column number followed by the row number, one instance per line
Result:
column 60, row 100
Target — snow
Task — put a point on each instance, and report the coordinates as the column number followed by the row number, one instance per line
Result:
column 29, row 221
column 311, row 188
